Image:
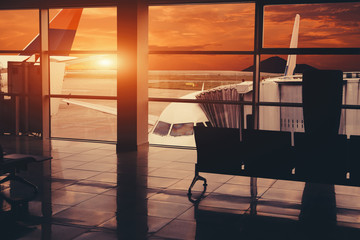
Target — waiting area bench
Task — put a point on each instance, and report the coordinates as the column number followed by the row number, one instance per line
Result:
column 273, row 154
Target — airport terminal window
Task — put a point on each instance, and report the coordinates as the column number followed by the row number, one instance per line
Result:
column 83, row 119
column 225, row 34
column 180, row 76
column 18, row 28
column 89, row 71
column 277, row 32
column 326, row 25
column 85, row 74
column 202, row 27
column 182, row 129
column 19, row 74
column 96, row 29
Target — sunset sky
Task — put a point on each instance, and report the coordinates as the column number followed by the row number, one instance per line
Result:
column 208, row 27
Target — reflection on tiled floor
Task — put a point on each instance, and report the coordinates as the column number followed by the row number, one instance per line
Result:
column 95, row 194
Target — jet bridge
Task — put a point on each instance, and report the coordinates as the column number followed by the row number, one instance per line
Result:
column 288, row 90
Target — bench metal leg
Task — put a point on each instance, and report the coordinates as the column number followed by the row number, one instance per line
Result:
column 195, row 179
column 253, row 195
column 253, row 187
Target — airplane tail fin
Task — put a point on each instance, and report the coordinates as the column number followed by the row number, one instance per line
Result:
column 291, row 61
column 62, row 31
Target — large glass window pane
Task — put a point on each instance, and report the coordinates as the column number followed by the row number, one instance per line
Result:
column 20, row 114
column 200, row 62
column 84, row 119
column 202, row 27
column 18, row 28
column 184, row 75
column 94, row 28
column 321, row 25
column 84, row 75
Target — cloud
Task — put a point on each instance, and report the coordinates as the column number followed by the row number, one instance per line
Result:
column 218, row 27
column 97, row 30
column 180, row 48
column 18, row 28
column 321, row 25
column 339, row 14
column 199, row 62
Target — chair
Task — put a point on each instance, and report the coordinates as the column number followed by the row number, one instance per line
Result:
column 10, row 164
column 218, row 151
column 353, row 161
column 269, row 153
column 321, row 158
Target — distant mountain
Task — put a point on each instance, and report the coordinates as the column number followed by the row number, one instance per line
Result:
column 300, row 68
column 277, row 65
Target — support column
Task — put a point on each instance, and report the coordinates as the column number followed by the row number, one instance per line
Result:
column 45, row 72
column 132, row 83
column 259, row 18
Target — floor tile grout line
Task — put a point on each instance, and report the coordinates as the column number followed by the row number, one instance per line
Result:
column 268, row 189
column 173, row 219
column 259, row 197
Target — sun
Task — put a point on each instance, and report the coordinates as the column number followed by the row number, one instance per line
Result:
column 105, row 62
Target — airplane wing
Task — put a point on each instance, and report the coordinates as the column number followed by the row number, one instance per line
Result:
column 4, row 59
column 105, row 109
column 97, row 107
column 66, row 59
column 76, row 60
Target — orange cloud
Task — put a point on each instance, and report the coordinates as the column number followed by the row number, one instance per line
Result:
column 18, row 28
column 202, row 27
column 321, row 25
column 97, row 30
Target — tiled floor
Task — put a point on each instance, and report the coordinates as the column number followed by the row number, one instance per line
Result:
column 88, row 192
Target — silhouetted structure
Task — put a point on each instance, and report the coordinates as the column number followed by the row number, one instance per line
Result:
column 277, row 65
column 321, row 148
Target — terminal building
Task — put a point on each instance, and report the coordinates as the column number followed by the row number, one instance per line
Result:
column 89, row 169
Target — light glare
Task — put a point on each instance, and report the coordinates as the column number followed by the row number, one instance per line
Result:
column 105, row 62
